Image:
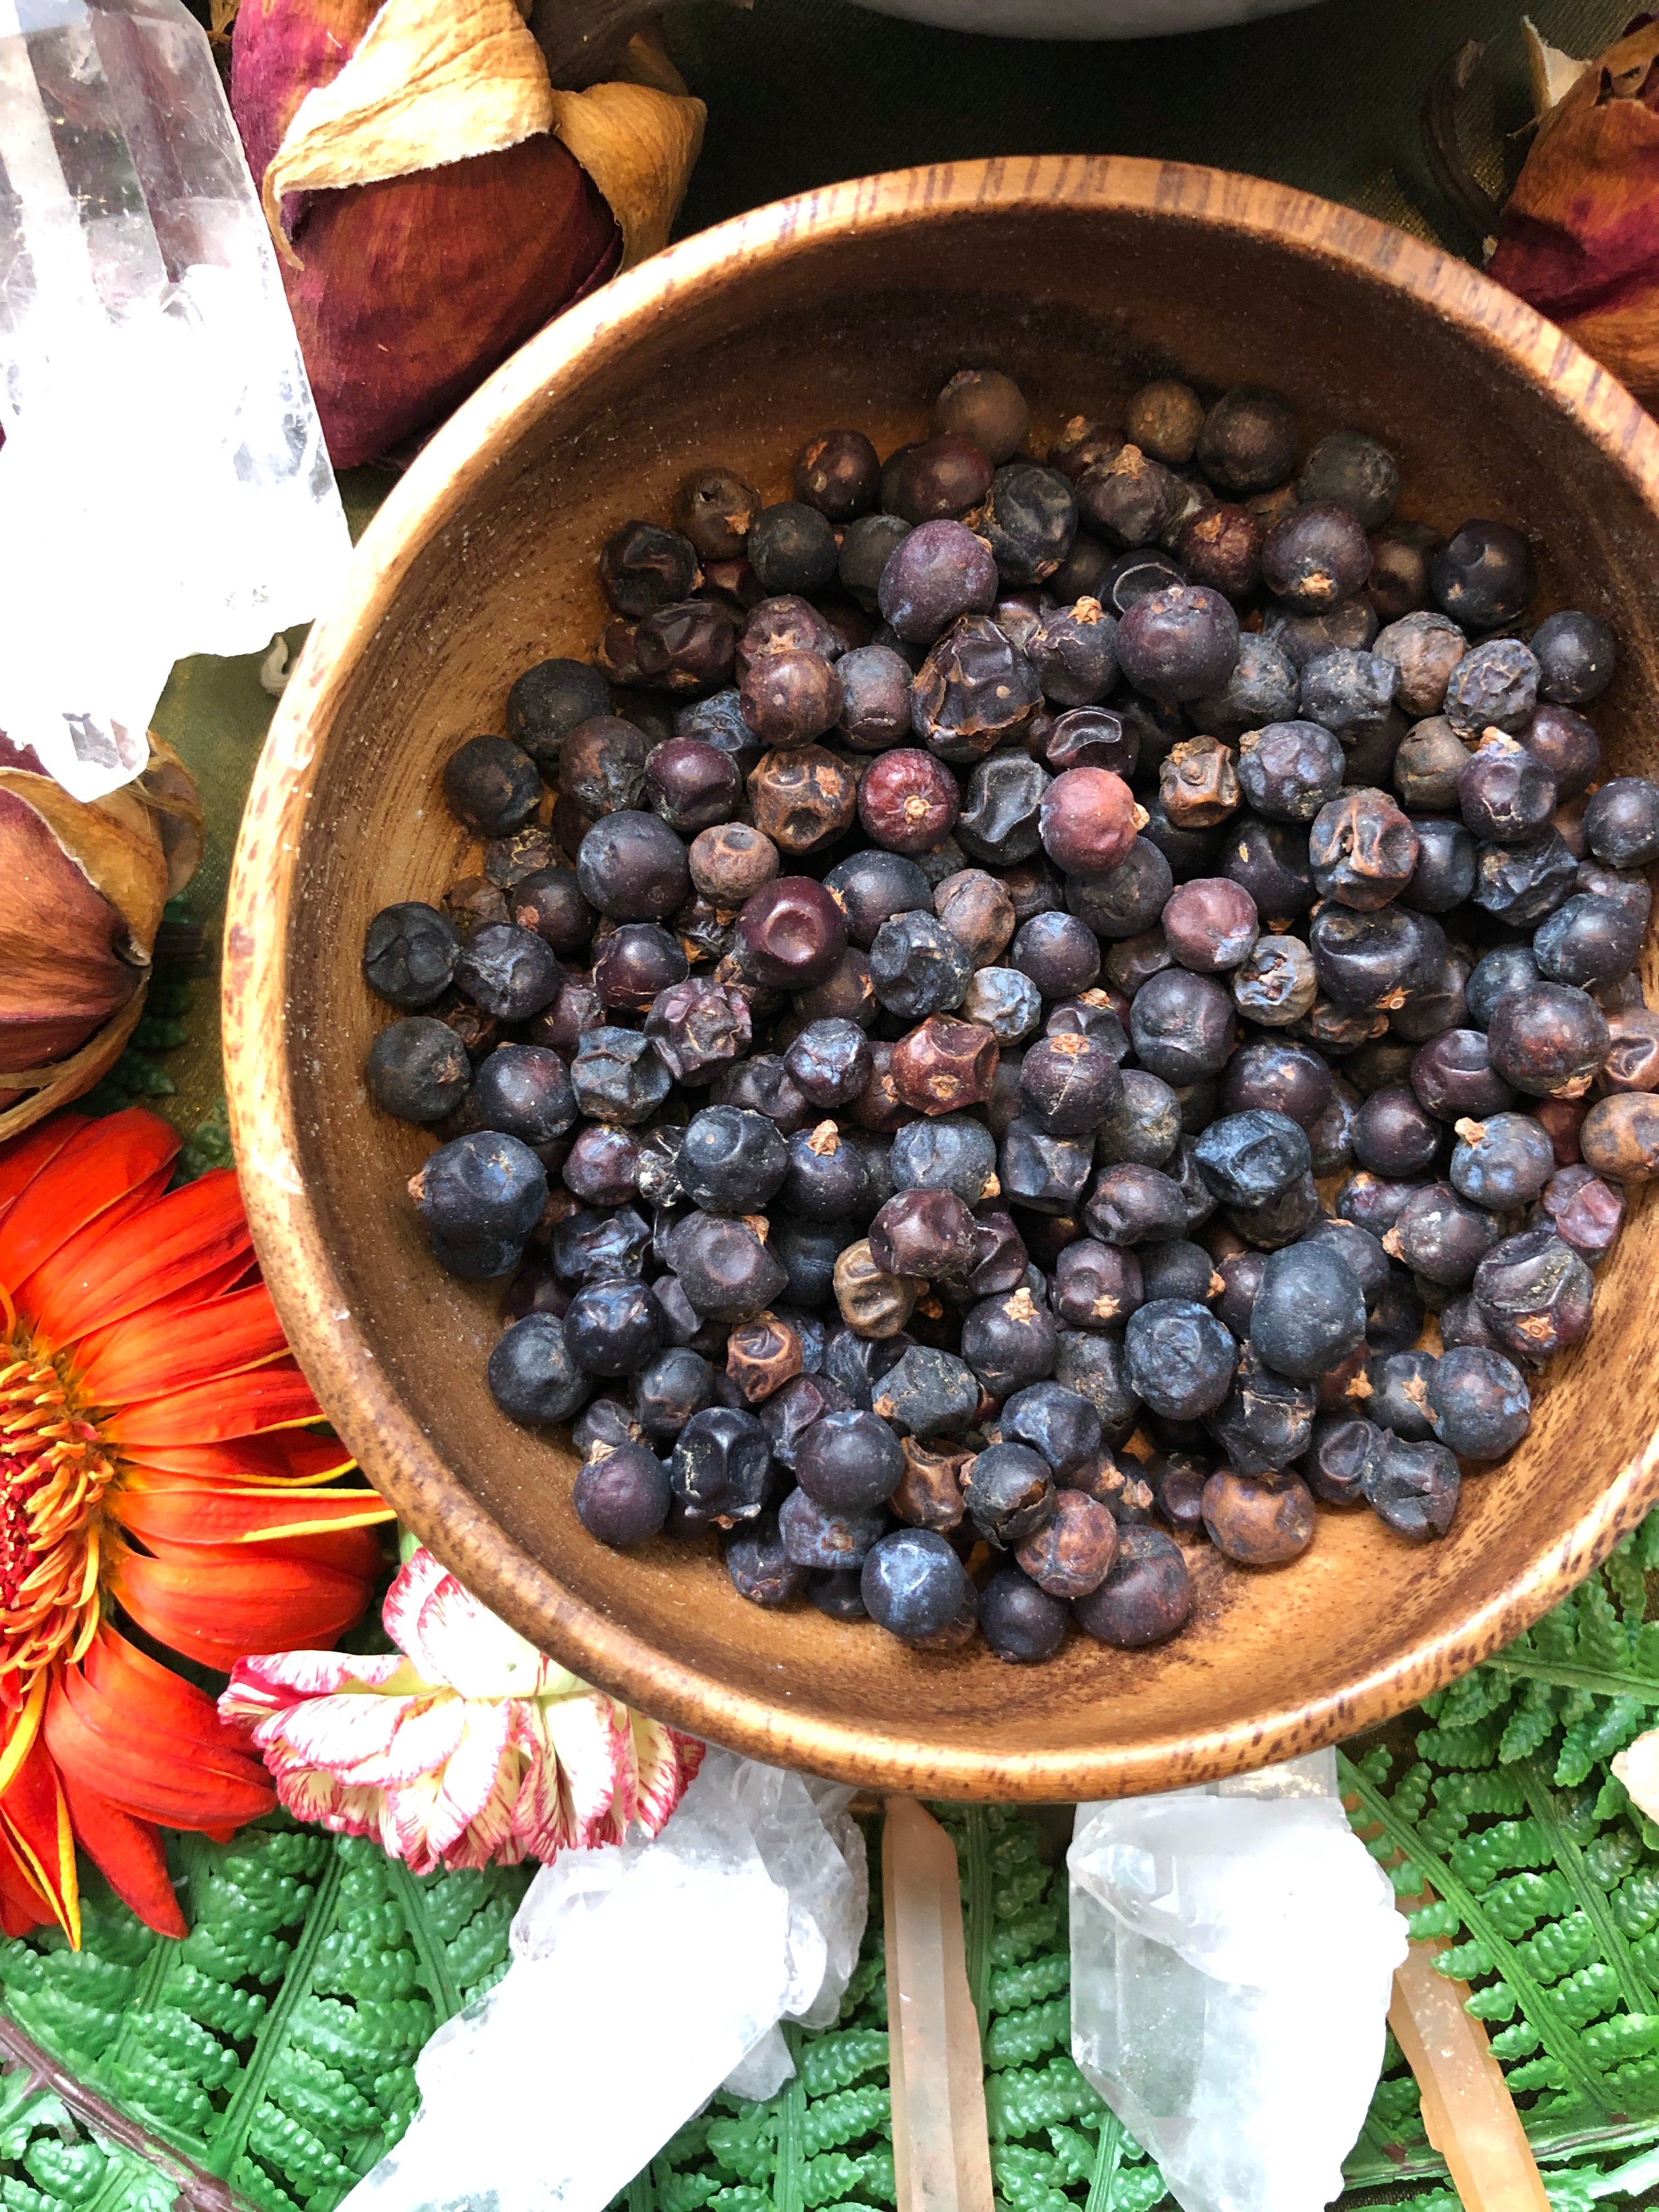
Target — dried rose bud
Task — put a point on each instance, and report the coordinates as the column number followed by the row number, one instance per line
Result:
column 1579, row 238
column 446, row 193
column 81, row 890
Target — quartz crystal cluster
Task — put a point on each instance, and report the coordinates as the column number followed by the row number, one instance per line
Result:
column 665, row 1965
column 1233, row 1949
column 165, row 483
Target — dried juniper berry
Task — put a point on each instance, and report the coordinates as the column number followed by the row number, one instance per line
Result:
column 1147, row 1596
column 1131, row 1205
column 492, row 785
column 532, row 1374
column 1289, row 770
column 1178, row 643
column 1182, row 1025
column 1392, row 1135
column 410, row 955
column 1549, row 1040
column 1180, row 1358
column 1362, row 849
column 1502, row 1163
column 1351, row 469
column 1506, row 795
column 1068, row 1083
column 1478, row 1403
column 1265, row 1422
column 1585, row 1210
column 1620, row 1137
column 934, row 575
column 1346, row 1450
column 914, row 1585
column 1029, row 518
column 721, row 1466
column 613, row 1327
column 1412, row 1488
column 1247, row 1158
column 418, row 1069
column 1308, row 1313
column 1318, row 556
column 1010, row 1493
column 1074, row 650
column 1398, row 1398
column 1022, row 1623
column 1484, row 576
column 839, row 473
column 792, row 547
column 1576, row 656
column 1535, row 1293
column 1442, row 1238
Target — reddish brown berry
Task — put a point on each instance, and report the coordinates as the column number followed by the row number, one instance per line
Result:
column 907, row 801
column 945, row 1065
column 1088, row 820
column 803, row 796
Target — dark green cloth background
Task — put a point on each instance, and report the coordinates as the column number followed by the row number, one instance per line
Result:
column 801, row 92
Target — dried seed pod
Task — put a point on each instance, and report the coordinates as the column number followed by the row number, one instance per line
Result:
column 945, row 1065
column 1073, row 1554
column 802, row 797
column 1198, row 781
column 1259, row 1521
column 762, row 1354
column 1363, row 850
column 929, row 1493
column 872, row 1303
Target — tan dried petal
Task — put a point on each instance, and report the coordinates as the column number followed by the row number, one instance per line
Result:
column 62, row 972
column 429, row 82
column 638, row 138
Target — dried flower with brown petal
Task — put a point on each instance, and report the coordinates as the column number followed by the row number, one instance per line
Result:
column 82, row 886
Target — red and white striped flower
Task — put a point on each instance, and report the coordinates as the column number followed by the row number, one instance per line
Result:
column 465, row 1746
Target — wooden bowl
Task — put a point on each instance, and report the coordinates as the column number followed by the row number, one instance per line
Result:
column 852, row 306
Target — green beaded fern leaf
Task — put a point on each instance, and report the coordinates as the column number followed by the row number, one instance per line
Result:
column 1545, row 1879
column 275, row 2046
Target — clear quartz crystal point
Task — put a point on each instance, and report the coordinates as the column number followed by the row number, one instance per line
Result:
column 164, row 486
column 1233, row 1949
column 644, row 1977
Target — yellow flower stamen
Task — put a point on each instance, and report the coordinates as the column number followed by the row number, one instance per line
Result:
column 54, row 1470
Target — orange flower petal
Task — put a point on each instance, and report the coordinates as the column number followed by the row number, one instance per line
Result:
column 181, row 1513
column 183, row 1237
column 237, row 1406
column 25, row 1157
column 119, row 1670
column 35, row 1823
column 102, row 1162
column 21, row 1904
column 150, row 1352
column 220, row 1606
column 287, row 1457
column 128, row 1853
column 111, row 1748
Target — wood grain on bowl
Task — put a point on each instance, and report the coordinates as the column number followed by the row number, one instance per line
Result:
column 852, row 305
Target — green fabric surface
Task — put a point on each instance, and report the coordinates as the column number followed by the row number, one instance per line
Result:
column 804, row 92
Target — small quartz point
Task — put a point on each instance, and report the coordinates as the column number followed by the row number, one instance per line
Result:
column 643, row 1977
column 1468, row 2113
column 941, row 2149
column 1232, row 1952
column 165, row 483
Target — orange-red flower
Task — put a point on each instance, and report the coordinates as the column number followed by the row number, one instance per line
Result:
column 157, row 1453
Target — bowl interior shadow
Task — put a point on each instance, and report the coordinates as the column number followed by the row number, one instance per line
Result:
column 1080, row 303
